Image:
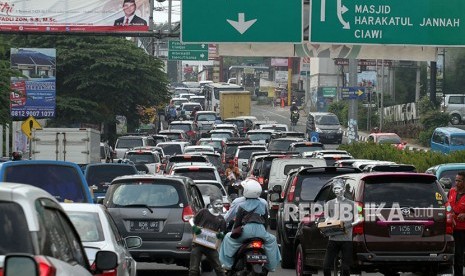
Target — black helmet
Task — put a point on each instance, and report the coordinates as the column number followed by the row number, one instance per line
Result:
column 16, row 155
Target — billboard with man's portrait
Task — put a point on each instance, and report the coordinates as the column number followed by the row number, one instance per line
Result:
column 84, row 16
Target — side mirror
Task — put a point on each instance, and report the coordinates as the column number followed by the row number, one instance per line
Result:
column 277, row 189
column 106, row 260
column 133, row 242
column 20, row 264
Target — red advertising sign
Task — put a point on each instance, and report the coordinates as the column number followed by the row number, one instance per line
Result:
column 18, row 94
column 88, row 16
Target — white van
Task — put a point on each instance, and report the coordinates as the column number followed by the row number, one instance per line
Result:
column 278, row 175
column 454, row 104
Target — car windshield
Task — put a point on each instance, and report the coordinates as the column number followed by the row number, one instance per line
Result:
column 385, row 191
column 61, row 181
column 152, row 195
column 457, row 140
column 142, row 157
column 129, row 143
column 14, row 225
column 101, row 176
column 206, row 117
column 279, row 145
column 171, row 149
column 327, row 120
column 245, row 153
column 184, row 127
column 88, row 226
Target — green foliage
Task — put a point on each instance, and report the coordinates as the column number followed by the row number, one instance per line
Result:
column 101, row 77
column 420, row 159
column 341, row 109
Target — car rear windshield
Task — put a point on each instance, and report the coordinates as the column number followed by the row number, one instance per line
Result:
column 171, row 149
column 259, row 136
column 183, row 127
column 88, row 226
column 245, row 153
column 206, row 117
column 288, row 168
column 305, row 148
column 210, row 190
column 238, row 123
column 129, row 143
column 101, row 176
column 197, row 174
column 190, row 107
column 152, row 195
column 142, row 157
column 14, row 230
column 421, row 194
column 310, row 185
column 275, row 128
column 173, row 136
column 61, row 181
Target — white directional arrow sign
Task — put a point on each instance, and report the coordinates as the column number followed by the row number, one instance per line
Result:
column 241, row 25
column 341, row 9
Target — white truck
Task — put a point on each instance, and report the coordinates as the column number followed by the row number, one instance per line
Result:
column 78, row 145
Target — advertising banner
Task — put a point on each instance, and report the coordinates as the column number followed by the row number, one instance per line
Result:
column 34, row 94
column 88, row 16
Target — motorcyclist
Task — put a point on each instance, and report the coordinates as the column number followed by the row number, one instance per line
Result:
column 192, row 116
column 294, row 108
column 253, row 227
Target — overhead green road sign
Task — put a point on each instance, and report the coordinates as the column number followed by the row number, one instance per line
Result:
column 391, row 22
column 241, row 21
column 179, row 51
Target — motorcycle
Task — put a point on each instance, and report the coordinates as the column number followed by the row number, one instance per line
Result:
column 250, row 259
column 294, row 117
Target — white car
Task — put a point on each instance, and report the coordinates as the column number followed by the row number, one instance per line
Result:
column 34, row 224
column 98, row 232
column 205, row 148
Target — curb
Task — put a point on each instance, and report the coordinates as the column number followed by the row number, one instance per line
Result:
column 363, row 138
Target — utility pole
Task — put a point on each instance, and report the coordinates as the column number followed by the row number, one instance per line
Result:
column 353, row 108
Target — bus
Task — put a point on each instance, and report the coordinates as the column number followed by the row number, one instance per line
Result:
column 212, row 94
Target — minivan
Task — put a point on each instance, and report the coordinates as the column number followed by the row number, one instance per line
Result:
column 454, row 104
column 448, row 139
column 327, row 126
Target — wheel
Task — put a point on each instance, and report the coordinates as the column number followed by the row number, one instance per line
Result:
column 300, row 267
column 455, row 119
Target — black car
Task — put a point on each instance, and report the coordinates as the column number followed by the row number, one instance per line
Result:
column 157, row 209
column 301, row 186
column 406, row 226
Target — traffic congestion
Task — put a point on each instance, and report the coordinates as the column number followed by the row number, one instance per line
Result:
column 230, row 191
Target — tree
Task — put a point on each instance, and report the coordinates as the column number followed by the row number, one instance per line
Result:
column 101, row 77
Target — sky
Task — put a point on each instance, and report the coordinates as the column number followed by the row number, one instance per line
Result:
column 162, row 16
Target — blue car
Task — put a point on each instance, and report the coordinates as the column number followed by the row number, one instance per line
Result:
column 63, row 180
column 446, row 173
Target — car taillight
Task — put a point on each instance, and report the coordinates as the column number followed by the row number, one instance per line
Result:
column 261, row 180
column 358, row 229
column 290, row 195
column 449, row 223
column 255, row 244
column 46, row 268
column 187, row 213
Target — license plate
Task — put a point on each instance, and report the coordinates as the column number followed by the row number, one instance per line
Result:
column 143, row 225
column 257, row 258
column 406, row 230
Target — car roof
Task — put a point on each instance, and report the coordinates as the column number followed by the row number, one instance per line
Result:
column 173, row 143
column 451, row 130
column 182, row 123
column 166, row 131
column 151, row 177
column 261, row 131
column 82, row 207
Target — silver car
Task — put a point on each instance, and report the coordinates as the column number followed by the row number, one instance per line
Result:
column 38, row 226
column 98, row 231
